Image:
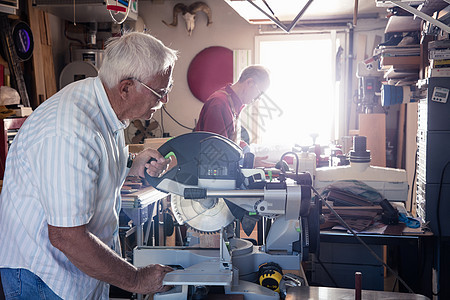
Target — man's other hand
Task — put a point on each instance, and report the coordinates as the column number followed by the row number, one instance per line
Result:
column 150, row 278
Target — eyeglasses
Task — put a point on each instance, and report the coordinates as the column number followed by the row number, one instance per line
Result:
column 160, row 94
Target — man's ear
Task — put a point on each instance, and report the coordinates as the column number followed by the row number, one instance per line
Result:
column 124, row 88
column 250, row 81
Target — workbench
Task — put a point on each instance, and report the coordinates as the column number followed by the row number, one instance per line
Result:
column 342, row 255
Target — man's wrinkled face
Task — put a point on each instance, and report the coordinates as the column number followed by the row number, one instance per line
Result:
column 149, row 96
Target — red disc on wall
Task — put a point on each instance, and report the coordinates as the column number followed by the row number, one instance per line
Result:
column 210, row 70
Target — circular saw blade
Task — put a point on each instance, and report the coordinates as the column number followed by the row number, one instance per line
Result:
column 205, row 215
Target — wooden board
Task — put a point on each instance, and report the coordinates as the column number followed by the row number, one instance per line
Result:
column 155, row 143
column 376, row 41
column 373, row 126
column 361, row 48
column 43, row 66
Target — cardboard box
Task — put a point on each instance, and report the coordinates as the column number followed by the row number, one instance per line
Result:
column 400, row 61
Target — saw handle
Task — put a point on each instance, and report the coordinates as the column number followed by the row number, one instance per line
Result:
column 153, row 181
column 166, row 150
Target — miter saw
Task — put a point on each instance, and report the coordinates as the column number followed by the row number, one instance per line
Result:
column 213, row 186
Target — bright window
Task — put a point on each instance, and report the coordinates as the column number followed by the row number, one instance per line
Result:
column 302, row 88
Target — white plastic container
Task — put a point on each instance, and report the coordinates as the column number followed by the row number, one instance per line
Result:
column 391, row 183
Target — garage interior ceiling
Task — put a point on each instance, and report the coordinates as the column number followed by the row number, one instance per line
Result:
column 287, row 10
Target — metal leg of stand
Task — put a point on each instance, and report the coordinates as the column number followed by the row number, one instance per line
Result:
column 139, row 230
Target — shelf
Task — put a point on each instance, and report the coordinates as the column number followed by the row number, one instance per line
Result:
column 402, row 24
column 428, row 8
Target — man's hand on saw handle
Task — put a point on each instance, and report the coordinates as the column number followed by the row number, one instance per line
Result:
column 142, row 163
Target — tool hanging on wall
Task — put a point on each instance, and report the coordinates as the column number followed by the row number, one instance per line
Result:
column 18, row 46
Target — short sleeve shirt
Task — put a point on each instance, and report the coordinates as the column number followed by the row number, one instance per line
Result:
column 65, row 168
column 219, row 114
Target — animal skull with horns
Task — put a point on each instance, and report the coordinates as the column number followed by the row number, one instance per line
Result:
column 189, row 14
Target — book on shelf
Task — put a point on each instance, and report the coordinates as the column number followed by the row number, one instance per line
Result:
column 407, row 50
column 440, row 63
column 439, row 53
column 438, row 72
column 395, row 73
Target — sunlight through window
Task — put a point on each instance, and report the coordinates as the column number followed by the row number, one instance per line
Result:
column 301, row 73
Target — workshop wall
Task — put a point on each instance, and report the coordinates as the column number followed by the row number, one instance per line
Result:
column 228, row 30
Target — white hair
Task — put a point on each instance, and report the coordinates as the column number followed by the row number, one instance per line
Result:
column 258, row 72
column 135, row 55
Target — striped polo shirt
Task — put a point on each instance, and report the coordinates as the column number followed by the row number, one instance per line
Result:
column 65, row 168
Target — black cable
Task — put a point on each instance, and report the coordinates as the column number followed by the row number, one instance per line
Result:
column 423, row 255
column 326, row 271
column 296, row 159
column 165, row 110
column 361, row 241
column 395, row 284
column 162, row 123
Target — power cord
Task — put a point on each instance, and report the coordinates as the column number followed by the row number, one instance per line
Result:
column 326, row 271
column 162, row 122
column 296, row 159
column 165, row 110
column 361, row 241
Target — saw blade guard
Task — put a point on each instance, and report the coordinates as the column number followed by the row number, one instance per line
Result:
column 204, row 159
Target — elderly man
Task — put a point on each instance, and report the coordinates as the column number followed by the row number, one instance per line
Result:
column 61, row 194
